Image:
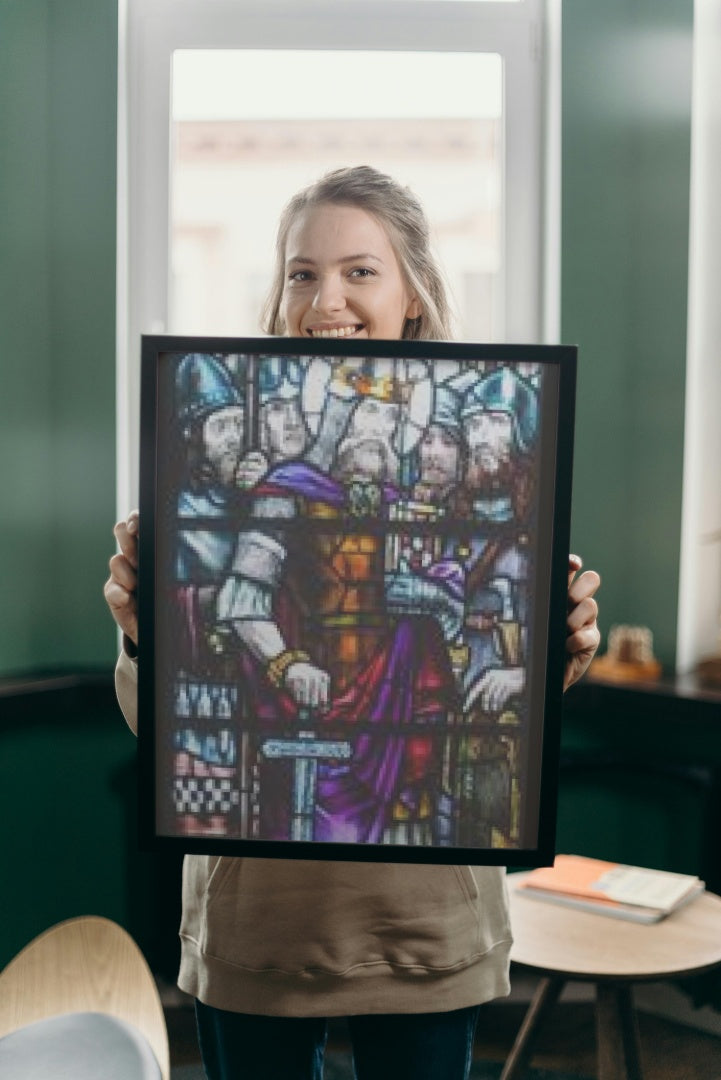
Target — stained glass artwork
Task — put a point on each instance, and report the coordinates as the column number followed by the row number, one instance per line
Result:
column 352, row 596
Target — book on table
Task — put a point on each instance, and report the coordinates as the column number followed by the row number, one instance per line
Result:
column 609, row 888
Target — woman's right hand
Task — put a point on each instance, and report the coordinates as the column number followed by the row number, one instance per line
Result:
column 121, row 587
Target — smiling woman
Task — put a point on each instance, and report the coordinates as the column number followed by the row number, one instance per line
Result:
column 353, row 259
column 344, row 632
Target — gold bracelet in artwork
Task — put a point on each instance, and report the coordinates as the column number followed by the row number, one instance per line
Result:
column 278, row 666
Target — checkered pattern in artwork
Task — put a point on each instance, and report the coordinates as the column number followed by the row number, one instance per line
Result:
column 207, row 795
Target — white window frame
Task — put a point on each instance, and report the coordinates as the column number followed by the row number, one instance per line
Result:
column 526, row 34
column 699, row 598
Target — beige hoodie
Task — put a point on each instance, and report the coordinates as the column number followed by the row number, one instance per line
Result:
column 284, row 937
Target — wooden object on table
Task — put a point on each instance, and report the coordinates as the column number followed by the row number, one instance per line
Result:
column 629, row 657
column 87, row 964
column 564, row 945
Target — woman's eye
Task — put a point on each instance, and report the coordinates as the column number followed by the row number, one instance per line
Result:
column 361, row 272
column 300, row 276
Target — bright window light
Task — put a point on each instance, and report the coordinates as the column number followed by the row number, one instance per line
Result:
column 262, row 84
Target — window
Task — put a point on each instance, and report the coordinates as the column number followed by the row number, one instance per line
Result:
column 227, row 107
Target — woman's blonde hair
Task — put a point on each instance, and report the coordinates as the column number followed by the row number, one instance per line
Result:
column 403, row 217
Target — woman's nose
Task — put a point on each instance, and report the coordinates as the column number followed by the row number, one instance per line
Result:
column 329, row 295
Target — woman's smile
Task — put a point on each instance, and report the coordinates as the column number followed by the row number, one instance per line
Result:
column 335, row 331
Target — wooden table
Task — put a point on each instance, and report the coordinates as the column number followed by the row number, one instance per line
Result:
column 563, row 944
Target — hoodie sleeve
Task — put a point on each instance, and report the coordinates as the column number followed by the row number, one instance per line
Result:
column 126, row 688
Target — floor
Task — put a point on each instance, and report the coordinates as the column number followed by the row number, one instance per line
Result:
column 669, row 1050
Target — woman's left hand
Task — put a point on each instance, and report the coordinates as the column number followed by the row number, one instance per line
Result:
column 583, row 636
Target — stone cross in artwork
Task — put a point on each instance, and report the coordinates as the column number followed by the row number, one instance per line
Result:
column 306, row 750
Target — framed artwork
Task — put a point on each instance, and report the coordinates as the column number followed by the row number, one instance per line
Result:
column 352, row 597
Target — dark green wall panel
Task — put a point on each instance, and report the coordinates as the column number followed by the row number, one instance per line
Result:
column 68, row 803
column 641, row 777
column 58, row 77
column 68, row 852
column 626, row 144
column 25, row 401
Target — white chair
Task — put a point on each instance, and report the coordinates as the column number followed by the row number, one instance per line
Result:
column 80, row 1002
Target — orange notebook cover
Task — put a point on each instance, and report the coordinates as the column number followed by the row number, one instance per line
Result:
column 610, row 882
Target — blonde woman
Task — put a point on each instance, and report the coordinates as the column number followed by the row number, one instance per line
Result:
column 272, row 948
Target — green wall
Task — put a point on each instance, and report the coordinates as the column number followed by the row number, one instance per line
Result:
column 69, row 823
column 66, row 759
column 58, row 73
column 626, row 145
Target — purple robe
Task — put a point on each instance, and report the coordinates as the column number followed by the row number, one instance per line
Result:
column 407, row 682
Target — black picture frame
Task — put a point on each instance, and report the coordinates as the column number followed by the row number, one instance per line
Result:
column 407, row 547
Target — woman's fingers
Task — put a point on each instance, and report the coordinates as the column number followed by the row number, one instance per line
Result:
column 583, row 587
column 121, row 587
column 123, row 607
column 582, row 634
column 583, row 613
column 126, row 534
column 575, row 562
column 123, row 572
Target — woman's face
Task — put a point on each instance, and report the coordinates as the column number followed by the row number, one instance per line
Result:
column 342, row 277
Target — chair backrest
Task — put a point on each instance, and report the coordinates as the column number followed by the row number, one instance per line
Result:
column 87, row 964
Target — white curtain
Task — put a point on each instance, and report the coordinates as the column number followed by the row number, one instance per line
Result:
column 700, row 581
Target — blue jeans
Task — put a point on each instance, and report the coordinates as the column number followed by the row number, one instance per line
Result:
column 414, row 1046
